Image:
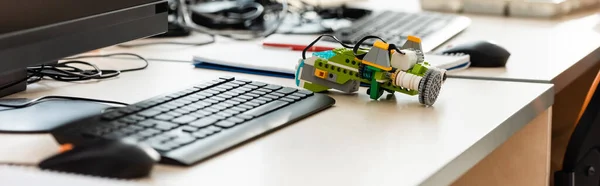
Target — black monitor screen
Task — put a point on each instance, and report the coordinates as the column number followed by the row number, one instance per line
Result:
column 25, row 14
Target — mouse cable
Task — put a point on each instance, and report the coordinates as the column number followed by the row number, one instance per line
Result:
column 211, row 41
column 184, row 19
column 45, row 98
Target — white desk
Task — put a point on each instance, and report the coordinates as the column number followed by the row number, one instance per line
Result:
column 359, row 141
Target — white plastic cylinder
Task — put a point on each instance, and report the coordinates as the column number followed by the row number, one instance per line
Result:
column 406, row 80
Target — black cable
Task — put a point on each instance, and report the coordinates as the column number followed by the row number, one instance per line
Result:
column 39, row 100
column 356, row 47
column 319, row 38
column 65, row 72
column 116, row 54
column 125, row 45
column 184, row 20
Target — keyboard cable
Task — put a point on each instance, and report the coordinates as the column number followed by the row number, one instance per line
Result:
column 66, row 72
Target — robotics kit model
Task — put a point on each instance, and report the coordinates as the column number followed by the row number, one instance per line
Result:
column 383, row 67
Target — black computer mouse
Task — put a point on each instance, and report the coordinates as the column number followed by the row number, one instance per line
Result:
column 105, row 158
column 482, row 53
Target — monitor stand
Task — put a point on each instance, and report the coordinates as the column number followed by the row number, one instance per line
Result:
column 41, row 117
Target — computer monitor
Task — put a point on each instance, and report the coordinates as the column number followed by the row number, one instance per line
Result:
column 35, row 32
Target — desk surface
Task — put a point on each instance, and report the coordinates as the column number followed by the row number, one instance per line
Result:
column 543, row 50
column 394, row 141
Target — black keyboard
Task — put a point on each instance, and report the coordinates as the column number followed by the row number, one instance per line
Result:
column 395, row 27
column 196, row 123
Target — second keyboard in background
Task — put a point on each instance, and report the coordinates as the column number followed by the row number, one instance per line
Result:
column 394, row 27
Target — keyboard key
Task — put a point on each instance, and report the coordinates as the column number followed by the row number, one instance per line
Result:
column 232, row 102
column 224, row 114
column 182, row 102
column 196, row 97
column 200, row 134
column 161, row 146
column 218, row 89
column 186, row 109
column 165, row 117
column 264, row 90
column 220, row 106
column 231, row 111
column 258, row 92
column 129, row 109
column 127, row 120
column 238, row 109
column 244, row 89
column 135, row 127
column 287, row 100
column 239, row 99
column 272, row 87
column 205, row 93
column 286, row 90
column 271, row 96
column 244, row 106
column 225, row 124
column 182, row 140
column 238, row 91
column 115, row 135
column 163, row 108
column 301, row 96
column 112, row 115
column 231, row 93
column 150, row 113
column 212, row 109
column 188, row 128
column 259, row 111
column 245, row 117
column 244, row 80
column 214, row 129
column 184, row 119
column 149, row 132
column 258, row 84
column 292, row 97
column 276, row 94
column 203, row 112
column 204, row 122
column 225, row 96
column 252, row 95
column 117, row 125
column 136, row 117
column 148, row 123
column 245, row 98
column 172, row 105
column 251, row 104
column 218, row 99
column 163, row 125
column 258, row 101
column 306, row 92
column 235, row 120
column 250, row 86
column 265, row 99
column 238, row 82
column 227, row 78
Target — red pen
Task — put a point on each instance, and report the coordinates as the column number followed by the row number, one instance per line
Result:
column 298, row 47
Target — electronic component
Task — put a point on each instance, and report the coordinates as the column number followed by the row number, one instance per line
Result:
column 193, row 124
column 385, row 67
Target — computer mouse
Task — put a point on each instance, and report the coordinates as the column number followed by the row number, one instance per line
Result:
column 120, row 159
column 482, row 53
